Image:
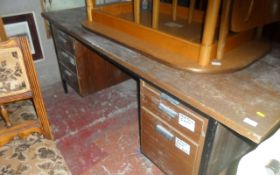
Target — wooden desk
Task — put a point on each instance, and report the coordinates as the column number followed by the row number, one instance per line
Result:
column 247, row 102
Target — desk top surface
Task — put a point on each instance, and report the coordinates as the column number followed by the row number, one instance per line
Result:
column 246, row 101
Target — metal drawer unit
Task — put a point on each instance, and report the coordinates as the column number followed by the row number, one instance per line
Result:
column 68, row 60
column 172, row 134
column 70, row 77
column 65, row 49
column 63, row 40
column 172, row 111
column 82, row 68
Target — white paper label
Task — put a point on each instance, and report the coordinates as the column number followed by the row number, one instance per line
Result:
column 183, row 146
column 250, row 122
column 186, row 122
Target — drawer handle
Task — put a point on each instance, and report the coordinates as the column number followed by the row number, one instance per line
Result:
column 170, row 112
column 71, row 59
column 164, row 132
column 62, row 39
column 64, row 54
column 69, row 74
column 168, row 98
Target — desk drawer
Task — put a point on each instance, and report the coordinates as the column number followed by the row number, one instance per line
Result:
column 176, row 114
column 64, row 41
column 70, row 77
column 67, row 60
column 169, row 150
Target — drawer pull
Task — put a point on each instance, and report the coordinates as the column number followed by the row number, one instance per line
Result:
column 64, row 54
column 64, row 41
column 168, row 98
column 164, row 132
column 167, row 110
column 71, row 59
column 69, row 74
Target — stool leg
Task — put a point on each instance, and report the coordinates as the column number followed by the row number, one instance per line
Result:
column 136, row 9
column 155, row 13
column 5, row 115
column 174, row 9
column 224, row 29
column 209, row 31
column 191, row 10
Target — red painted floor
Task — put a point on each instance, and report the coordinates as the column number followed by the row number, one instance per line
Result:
column 98, row 134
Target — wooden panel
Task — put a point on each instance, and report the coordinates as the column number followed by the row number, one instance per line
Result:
column 94, row 72
column 148, row 37
column 179, row 116
column 162, row 151
column 166, row 8
column 118, row 8
column 248, row 14
column 182, row 12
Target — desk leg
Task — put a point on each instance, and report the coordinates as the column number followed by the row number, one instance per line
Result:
column 64, row 84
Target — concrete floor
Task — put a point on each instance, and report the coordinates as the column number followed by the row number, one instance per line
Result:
column 98, row 134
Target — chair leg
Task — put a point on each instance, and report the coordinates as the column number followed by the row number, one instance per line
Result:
column 5, row 115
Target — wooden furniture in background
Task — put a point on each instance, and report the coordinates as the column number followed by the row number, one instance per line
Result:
column 185, row 37
column 11, row 91
column 254, row 13
column 82, row 68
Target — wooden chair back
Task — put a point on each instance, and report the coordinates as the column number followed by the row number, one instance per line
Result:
column 19, row 46
column 3, row 36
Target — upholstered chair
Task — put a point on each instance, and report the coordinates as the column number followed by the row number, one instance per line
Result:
column 26, row 145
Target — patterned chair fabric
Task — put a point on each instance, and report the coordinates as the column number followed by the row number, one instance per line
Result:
column 33, row 155
column 19, row 111
column 13, row 77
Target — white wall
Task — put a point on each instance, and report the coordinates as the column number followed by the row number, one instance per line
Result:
column 63, row 4
column 47, row 68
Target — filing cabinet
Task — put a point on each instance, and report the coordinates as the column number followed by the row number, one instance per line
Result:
column 172, row 134
column 82, row 68
column 183, row 141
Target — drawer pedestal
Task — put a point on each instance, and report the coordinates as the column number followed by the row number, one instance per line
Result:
column 82, row 68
